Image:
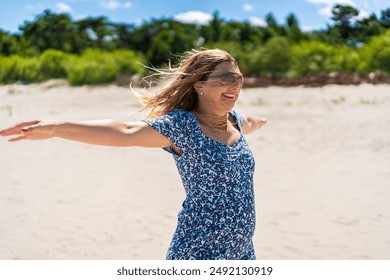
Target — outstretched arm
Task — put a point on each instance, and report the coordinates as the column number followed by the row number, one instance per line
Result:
column 100, row 132
column 252, row 124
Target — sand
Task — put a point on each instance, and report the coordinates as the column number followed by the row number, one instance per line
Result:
column 322, row 177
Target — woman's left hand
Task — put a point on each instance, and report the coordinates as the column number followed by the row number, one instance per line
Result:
column 252, row 124
column 32, row 130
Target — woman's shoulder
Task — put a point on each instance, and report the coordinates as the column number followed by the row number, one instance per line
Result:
column 180, row 113
column 177, row 117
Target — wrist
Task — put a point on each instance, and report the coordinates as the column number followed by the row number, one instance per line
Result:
column 58, row 128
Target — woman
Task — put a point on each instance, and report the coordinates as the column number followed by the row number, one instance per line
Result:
column 192, row 118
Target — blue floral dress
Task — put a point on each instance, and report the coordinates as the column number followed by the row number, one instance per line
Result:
column 217, row 220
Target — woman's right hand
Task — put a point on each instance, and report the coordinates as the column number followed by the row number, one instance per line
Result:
column 33, row 130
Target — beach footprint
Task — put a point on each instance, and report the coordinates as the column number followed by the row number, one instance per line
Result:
column 7, row 109
column 345, row 221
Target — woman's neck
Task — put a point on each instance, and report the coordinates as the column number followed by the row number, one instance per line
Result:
column 213, row 120
column 212, row 110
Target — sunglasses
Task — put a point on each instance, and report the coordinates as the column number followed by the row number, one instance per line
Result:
column 226, row 79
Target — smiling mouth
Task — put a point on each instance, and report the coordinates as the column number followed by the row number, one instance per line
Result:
column 229, row 96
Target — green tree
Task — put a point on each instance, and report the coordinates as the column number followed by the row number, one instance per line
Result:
column 8, row 44
column 51, row 31
column 343, row 16
column 368, row 28
column 124, row 35
column 98, row 31
column 273, row 27
column 242, row 32
column 211, row 32
column 385, row 18
column 171, row 39
column 293, row 31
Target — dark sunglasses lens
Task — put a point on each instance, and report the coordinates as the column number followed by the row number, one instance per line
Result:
column 236, row 79
column 227, row 79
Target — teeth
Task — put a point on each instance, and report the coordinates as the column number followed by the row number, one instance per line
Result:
column 229, row 95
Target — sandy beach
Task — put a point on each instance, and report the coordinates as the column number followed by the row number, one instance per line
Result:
column 322, row 177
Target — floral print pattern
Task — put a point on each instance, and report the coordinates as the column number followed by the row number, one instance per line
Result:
column 217, row 219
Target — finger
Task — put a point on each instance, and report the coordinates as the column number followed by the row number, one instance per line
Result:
column 12, row 130
column 17, row 128
column 20, row 137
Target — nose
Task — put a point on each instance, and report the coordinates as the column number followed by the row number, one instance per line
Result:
column 236, row 87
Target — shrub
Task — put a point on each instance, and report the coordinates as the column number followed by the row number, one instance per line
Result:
column 376, row 54
column 53, row 63
column 312, row 57
column 346, row 59
column 129, row 62
column 83, row 70
column 96, row 67
column 15, row 68
column 276, row 57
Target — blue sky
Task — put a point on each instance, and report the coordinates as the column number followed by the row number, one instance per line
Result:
column 312, row 14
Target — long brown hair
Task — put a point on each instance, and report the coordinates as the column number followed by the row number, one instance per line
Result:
column 176, row 89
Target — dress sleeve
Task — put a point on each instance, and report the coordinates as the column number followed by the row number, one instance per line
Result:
column 239, row 119
column 173, row 126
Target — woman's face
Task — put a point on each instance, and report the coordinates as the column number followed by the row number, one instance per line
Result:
column 222, row 88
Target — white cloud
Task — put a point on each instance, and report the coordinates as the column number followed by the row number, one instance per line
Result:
column 114, row 4
column 308, row 28
column 80, row 17
column 257, row 21
column 127, row 5
column 62, row 7
column 362, row 14
column 247, row 7
column 327, row 11
column 111, row 5
column 36, row 7
column 194, row 17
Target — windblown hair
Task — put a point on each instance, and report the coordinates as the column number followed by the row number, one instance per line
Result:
column 177, row 86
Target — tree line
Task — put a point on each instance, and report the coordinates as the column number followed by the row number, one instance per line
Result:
column 96, row 50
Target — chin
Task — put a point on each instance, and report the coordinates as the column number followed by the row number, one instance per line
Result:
column 229, row 105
